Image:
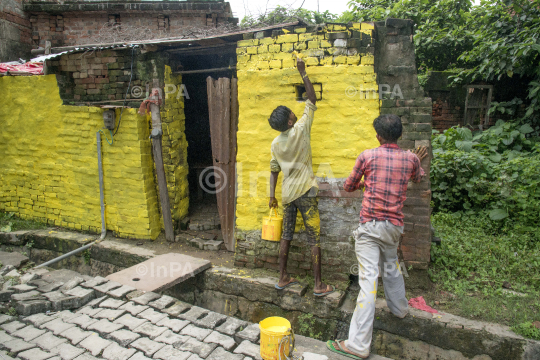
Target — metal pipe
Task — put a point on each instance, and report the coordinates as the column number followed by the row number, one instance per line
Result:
column 102, row 202
column 101, row 196
column 205, row 70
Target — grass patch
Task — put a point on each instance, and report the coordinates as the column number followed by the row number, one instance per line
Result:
column 485, row 272
column 9, row 222
column 476, row 255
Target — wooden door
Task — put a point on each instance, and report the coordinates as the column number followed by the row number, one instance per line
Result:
column 223, row 114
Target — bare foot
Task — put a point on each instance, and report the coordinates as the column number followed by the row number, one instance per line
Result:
column 286, row 281
column 322, row 288
column 342, row 343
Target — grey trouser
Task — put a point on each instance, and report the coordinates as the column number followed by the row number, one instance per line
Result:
column 376, row 245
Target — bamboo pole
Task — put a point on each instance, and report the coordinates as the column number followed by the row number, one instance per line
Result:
column 156, row 136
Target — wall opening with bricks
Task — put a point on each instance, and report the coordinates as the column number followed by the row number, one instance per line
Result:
column 350, row 63
column 51, row 173
column 83, row 22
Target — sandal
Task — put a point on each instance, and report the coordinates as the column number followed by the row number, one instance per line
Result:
column 326, row 292
column 341, row 351
column 286, row 286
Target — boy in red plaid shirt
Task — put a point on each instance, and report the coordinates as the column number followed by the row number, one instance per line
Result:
column 386, row 171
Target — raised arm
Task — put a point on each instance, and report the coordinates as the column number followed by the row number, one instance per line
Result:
column 310, row 91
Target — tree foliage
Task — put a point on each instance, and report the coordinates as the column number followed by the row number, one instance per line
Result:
column 493, row 172
column 282, row 14
column 498, row 38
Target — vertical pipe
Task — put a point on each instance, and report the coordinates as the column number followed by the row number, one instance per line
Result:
column 101, row 196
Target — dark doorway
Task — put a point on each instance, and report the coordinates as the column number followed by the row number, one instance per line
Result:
column 203, row 210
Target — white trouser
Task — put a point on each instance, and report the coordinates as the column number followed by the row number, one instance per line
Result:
column 376, row 245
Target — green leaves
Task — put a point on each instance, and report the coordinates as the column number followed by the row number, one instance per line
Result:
column 495, row 171
column 498, row 214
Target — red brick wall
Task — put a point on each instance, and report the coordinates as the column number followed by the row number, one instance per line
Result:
column 74, row 28
column 15, row 31
column 446, row 115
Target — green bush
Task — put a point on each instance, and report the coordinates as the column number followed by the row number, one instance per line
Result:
column 494, row 171
column 475, row 256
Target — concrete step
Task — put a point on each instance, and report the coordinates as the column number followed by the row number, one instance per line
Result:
column 212, row 245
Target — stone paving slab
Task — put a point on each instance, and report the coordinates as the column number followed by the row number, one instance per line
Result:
column 4, row 338
column 22, row 288
column 13, row 326
column 35, row 354
column 115, row 328
column 124, row 337
column 224, row 341
column 173, row 324
column 130, row 322
column 168, row 352
column 231, row 326
column 177, row 308
column 117, row 352
column 197, row 347
column 171, row 338
column 104, row 327
column 163, row 302
column 133, row 308
column 68, row 351
column 14, row 259
column 112, row 303
column 18, row 345
column 75, row 335
column 48, row 341
column 109, row 314
column 161, row 272
column 194, row 314
column 5, row 318
column 251, row 333
column 147, row 346
column 121, row 292
column 211, row 320
column 196, row 332
column 150, row 330
column 153, row 316
column 95, row 344
column 146, row 298
column 83, row 321
column 28, row 333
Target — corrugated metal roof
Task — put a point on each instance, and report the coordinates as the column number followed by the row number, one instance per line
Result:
column 172, row 41
column 43, row 58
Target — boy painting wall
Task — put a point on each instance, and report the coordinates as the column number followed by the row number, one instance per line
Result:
column 291, row 154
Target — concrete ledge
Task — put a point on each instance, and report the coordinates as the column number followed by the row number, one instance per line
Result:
column 449, row 333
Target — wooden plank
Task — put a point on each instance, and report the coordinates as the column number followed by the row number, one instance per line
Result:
column 160, row 171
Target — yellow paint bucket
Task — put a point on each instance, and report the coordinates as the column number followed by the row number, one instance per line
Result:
column 277, row 338
column 272, row 226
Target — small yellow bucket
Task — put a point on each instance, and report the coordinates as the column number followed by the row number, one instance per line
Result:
column 272, row 226
column 277, row 339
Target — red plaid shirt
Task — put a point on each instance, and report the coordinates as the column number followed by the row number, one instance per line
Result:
column 386, row 170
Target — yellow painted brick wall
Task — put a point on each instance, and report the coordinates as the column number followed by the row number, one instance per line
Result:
column 175, row 145
column 343, row 122
column 49, row 167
